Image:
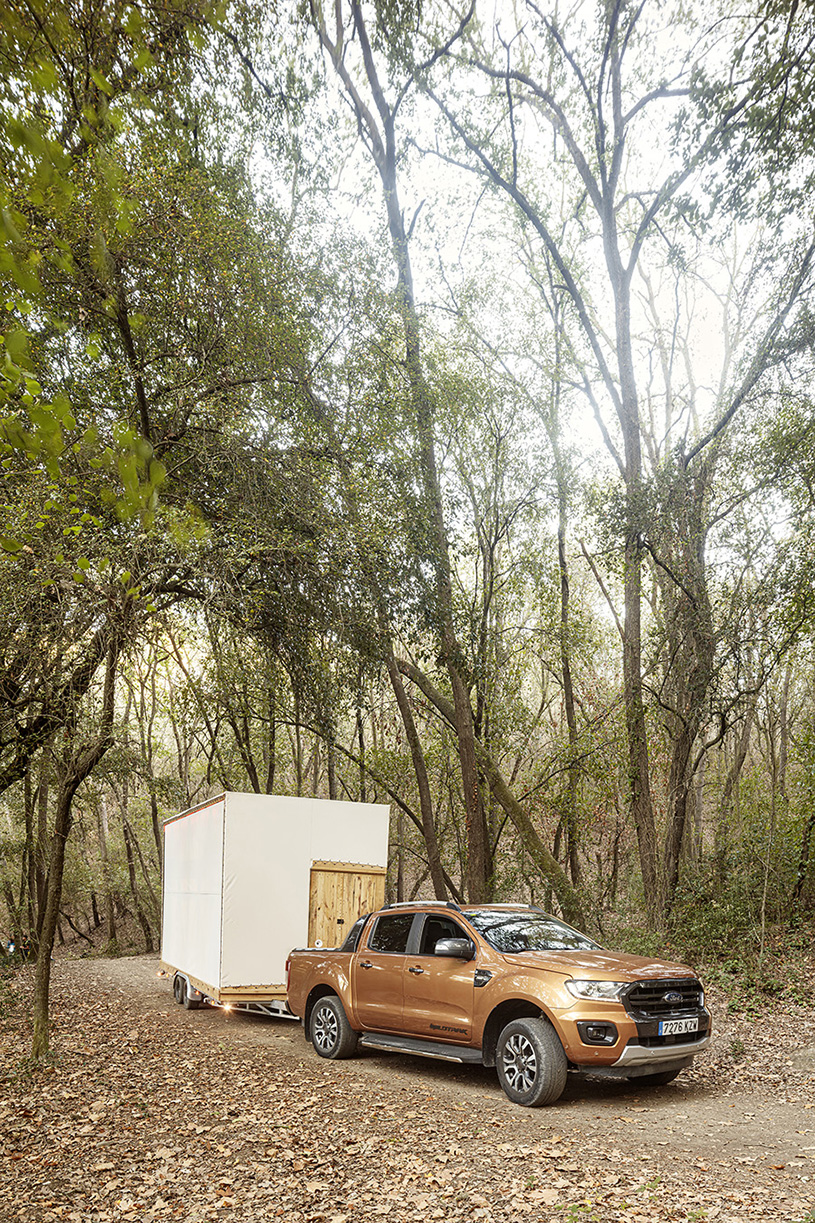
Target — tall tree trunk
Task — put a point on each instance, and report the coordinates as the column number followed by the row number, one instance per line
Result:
column 731, row 786
column 129, row 838
column 41, row 850
column 382, row 142
column 75, row 769
column 400, row 855
column 110, row 909
column 156, row 828
column 315, row 770
column 360, row 727
column 552, row 421
column 271, row 742
column 699, row 811
column 298, row 748
column 331, row 755
column 422, row 780
column 783, row 730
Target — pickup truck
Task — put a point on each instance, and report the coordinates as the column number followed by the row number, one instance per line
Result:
column 499, row 985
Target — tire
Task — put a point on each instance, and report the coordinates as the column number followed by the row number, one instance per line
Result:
column 189, row 1002
column 658, row 1079
column 178, row 988
column 329, row 1029
column 531, row 1063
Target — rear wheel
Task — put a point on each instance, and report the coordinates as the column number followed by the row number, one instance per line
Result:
column 331, row 1033
column 178, row 988
column 531, row 1063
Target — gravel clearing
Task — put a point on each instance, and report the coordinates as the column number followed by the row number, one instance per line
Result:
column 152, row 1112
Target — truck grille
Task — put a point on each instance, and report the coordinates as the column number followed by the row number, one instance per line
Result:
column 658, row 999
column 663, row 1042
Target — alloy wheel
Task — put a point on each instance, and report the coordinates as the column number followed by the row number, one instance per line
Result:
column 520, row 1062
column 326, row 1029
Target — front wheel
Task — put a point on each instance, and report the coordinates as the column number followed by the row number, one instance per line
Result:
column 531, row 1063
column 331, row 1033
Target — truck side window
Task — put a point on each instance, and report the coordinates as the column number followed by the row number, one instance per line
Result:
column 436, row 928
column 391, row 933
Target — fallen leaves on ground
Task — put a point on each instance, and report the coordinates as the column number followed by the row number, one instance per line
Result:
column 148, row 1113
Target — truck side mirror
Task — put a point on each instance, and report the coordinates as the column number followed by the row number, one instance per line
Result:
column 460, row 948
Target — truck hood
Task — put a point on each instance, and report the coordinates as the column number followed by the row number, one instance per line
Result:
column 597, row 965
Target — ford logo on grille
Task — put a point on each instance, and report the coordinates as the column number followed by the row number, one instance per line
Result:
column 672, row 997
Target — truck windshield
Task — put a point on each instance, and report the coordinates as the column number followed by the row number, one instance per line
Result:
column 514, row 932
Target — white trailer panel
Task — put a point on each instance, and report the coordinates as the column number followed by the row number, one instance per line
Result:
column 193, row 874
column 237, row 883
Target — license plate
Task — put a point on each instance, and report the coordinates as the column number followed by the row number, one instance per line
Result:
column 674, row 1027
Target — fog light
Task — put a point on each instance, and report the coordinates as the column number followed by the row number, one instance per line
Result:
column 597, row 1033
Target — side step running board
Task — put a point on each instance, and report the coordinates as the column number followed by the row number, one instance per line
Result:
column 420, row 1048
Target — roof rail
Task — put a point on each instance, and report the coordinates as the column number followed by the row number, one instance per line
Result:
column 506, row 904
column 415, row 904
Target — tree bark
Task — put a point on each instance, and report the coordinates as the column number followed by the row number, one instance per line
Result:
column 110, row 911
column 382, row 143
column 551, row 870
column 75, row 769
column 129, row 837
column 422, row 780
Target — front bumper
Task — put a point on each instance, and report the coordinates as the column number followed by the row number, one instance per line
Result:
column 657, row 1056
column 639, row 1042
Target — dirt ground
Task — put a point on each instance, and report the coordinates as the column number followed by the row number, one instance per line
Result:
column 151, row 1112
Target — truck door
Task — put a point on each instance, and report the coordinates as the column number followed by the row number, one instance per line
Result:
column 377, row 972
column 439, row 990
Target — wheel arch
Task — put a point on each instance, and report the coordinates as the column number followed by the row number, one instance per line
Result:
column 504, row 1013
column 318, row 992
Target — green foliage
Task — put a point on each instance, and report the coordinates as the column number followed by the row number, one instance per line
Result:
column 637, row 940
column 71, row 76
column 711, row 921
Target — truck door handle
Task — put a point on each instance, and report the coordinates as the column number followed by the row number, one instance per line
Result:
column 365, row 964
column 416, row 970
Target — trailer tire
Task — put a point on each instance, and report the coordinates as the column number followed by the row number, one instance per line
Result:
column 329, row 1029
column 178, row 988
column 190, row 1004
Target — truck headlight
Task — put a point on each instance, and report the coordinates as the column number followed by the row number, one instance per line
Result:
column 601, row 991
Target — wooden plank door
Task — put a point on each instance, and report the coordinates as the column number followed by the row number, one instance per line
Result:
column 340, row 893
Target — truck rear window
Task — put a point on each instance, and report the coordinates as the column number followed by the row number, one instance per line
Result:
column 514, row 932
column 352, row 938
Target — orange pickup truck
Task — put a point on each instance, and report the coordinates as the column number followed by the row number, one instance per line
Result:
column 499, row 985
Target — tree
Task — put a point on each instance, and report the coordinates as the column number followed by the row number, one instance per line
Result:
column 376, row 116
column 75, row 766
column 584, row 90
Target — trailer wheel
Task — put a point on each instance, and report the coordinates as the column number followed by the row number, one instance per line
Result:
column 178, row 988
column 331, row 1033
column 189, row 1003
